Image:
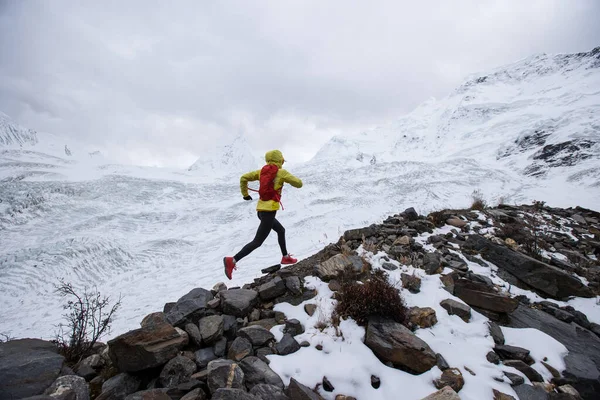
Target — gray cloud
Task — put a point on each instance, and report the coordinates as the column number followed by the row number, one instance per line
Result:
column 158, row 82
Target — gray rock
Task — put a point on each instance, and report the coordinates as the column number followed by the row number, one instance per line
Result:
column 257, row 371
column 453, row 307
column 389, row 266
column 432, row 263
column 451, row 377
column 154, row 319
column 271, row 269
column 147, row 347
column 257, row 335
column 178, row 370
column 192, row 304
column 272, row 289
column 393, row 342
column 411, row 282
column 69, row 387
column 422, row 317
column 263, row 352
column 358, row 234
column 219, row 287
column 287, row 345
column 268, row 392
column 311, row 308
column 297, row 391
column 480, row 295
column 224, row 374
column 411, row 214
column 441, row 362
column 151, row 394
column 514, row 379
column 265, row 323
column 211, row 329
column 496, row 332
column 240, row 348
column 232, row 394
column 193, row 333
column 443, row 394
column 119, row 386
column 293, row 327
column 27, row 367
column 528, row 392
column 196, row 394
column 507, row 352
column 204, row 356
column 547, row 279
column 89, row 366
column 293, row 284
column 336, row 265
column 493, row 357
column 529, row 372
column 582, row 369
column 220, row 348
column 238, row 302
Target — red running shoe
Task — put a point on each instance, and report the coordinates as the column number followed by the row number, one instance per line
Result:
column 229, row 266
column 288, row 259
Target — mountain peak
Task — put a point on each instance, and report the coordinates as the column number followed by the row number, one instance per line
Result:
column 12, row 134
column 225, row 159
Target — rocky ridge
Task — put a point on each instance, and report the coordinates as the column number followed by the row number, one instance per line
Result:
column 215, row 343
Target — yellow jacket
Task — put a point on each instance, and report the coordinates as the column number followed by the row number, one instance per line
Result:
column 271, row 157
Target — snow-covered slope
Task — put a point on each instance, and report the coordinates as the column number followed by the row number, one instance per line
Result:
column 227, row 159
column 533, row 116
column 13, row 134
column 152, row 234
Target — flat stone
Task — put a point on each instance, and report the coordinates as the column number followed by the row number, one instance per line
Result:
column 268, row 392
column 529, row 372
column 297, row 391
column 454, row 307
column 211, row 329
column 507, row 352
column 287, row 345
column 271, row 269
column 187, row 307
column 240, row 348
column 272, row 289
column 336, row 265
column 528, row 392
column 514, row 379
column 238, row 302
column 257, row 335
column 479, row 295
column 496, row 332
column 257, row 371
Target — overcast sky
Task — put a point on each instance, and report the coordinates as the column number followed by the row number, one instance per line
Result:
column 160, row 82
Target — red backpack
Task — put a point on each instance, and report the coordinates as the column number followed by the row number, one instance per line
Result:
column 267, row 191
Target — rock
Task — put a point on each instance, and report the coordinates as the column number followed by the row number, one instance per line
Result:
column 507, row 352
column 119, row 386
column 411, row 214
column 69, row 387
column 389, row 266
column 411, row 282
column 257, row 371
column 219, row 348
column 218, row 288
column 271, row 269
column 297, row 391
column 402, row 241
column 480, row 295
column 529, row 372
column 501, row 396
column 211, row 329
column 569, row 390
column 293, row 327
column 453, row 307
column 268, row 392
column 547, row 279
column 265, row 323
column 293, row 284
column 432, row 263
column 146, row 347
column 232, row 394
column 272, row 289
column 28, row 367
column 151, row 394
column 89, row 366
column 441, row 362
column 254, row 315
column 334, row 285
column 287, row 345
column 584, row 347
column 263, row 352
column 296, row 300
column 358, row 234
column 257, row 335
column 190, row 306
column 196, row 394
column 343, row 397
column 238, row 302
column 336, row 265
column 514, row 379
column 459, row 223
column 193, row 333
column 157, row 318
column 451, row 377
column 422, row 317
column 375, row 382
column 395, row 343
column 528, row 392
column 552, row 370
column 310, row 309
column 443, row 394
column 327, row 386
column 204, row 356
column 493, row 357
column 496, row 332
column 224, row 374
column 239, row 349
column 178, row 370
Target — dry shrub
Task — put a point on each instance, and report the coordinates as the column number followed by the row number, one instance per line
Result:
column 478, row 201
column 375, row 297
column 438, row 218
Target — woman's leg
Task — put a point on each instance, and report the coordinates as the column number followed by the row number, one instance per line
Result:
column 277, row 227
column 266, row 224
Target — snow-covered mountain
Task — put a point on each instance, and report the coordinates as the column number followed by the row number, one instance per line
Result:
column 533, row 116
column 522, row 132
column 13, row 134
column 227, row 159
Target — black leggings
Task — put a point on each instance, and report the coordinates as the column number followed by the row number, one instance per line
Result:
column 267, row 222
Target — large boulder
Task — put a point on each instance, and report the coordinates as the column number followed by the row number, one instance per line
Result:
column 582, row 362
column 178, row 370
column 147, row 347
column 545, row 278
column 336, row 265
column 224, row 374
column 27, row 367
column 482, row 296
column 191, row 306
column 432, row 263
column 238, row 302
column 393, row 342
column 256, row 371
column 257, row 335
column 272, row 289
column 211, row 329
